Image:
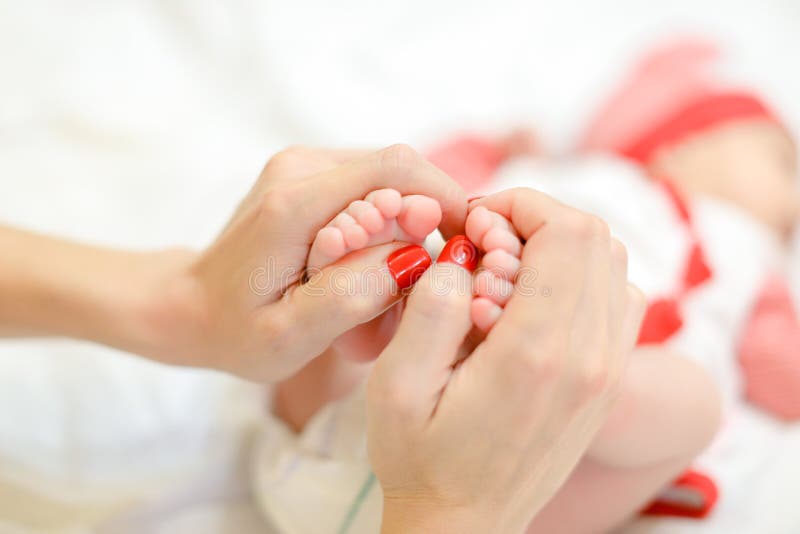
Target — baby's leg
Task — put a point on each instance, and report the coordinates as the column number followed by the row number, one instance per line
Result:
column 667, row 413
column 494, row 235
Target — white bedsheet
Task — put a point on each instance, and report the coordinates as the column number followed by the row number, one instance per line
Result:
column 141, row 123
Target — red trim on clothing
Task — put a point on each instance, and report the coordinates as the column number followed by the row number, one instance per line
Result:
column 661, row 321
column 697, row 270
column 694, row 494
column 663, row 317
column 699, row 115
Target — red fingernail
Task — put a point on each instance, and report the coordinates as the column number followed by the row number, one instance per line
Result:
column 407, row 264
column 461, row 251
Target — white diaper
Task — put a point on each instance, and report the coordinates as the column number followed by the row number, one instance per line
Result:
column 319, row 482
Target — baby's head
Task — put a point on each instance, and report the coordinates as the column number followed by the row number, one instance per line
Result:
column 681, row 121
column 752, row 164
column 730, row 146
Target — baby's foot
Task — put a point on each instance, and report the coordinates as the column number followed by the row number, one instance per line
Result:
column 382, row 217
column 494, row 235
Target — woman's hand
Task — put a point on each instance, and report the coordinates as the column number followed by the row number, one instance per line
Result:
column 482, row 446
column 239, row 306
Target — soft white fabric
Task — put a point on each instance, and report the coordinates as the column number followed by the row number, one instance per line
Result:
column 319, row 482
column 141, row 123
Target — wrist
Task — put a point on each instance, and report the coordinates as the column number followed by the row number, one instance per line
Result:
column 402, row 516
column 168, row 318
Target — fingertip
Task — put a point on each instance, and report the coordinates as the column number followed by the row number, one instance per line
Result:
column 407, row 264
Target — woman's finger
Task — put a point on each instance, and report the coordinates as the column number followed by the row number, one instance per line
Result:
column 314, row 200
column 419, row 360
column 302, row 161
column 555, row 266
column 618, row 298
column 635, row 308
column 526, row 208
column 349, row 293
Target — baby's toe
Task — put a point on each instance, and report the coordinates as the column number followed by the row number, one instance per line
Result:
column 419, row 216
column 495, row 288
column 355, row 237
column 367, row 215
column 328, row 246
column 479, row 221
column 494, row 283
column 388, row 201
column 490, row 230
column 484, row 313
column 501, row 263
column 501, row 238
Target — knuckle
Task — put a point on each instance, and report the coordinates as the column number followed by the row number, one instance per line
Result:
column 275, row 326
column 354, row 307
column 584, row 226
column 439, row 304
column 288, row 155
column 591, row 382
column 391, row 394
column 273, row 204
column 522, row 191
column 543, row 360
column 541, row 368
column 525, row 194
column 619, row 253
column 399, row 157
column 284, row 161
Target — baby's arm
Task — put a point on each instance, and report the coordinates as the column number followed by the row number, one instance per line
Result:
column 666, row 414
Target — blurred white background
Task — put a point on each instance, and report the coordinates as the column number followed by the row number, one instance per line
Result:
column 141, row 123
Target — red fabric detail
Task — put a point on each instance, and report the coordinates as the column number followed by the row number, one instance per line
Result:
column 470, row 160
column 661, row 321
column 666, row 78
column 701, row 495
column 663, row 318
column 769, row 352
column 697, row 270
column 678, row 200
column 698, row 115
